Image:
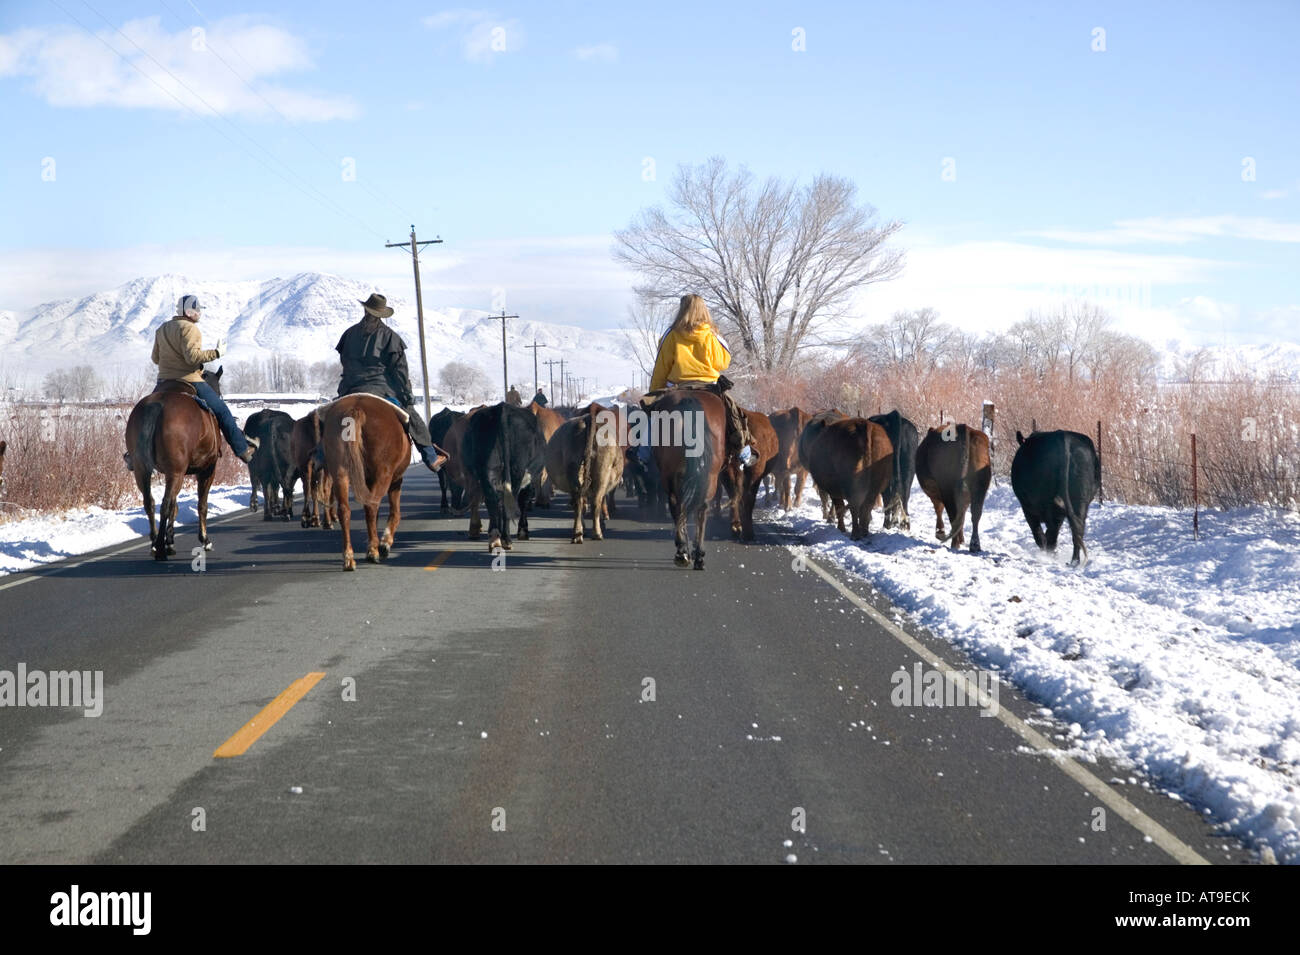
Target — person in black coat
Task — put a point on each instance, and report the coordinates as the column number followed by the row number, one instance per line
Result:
column 374, row 361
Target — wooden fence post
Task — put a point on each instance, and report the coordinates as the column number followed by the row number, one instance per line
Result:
column 1196, row 504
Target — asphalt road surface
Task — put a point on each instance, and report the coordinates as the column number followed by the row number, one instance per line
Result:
column 467, row 714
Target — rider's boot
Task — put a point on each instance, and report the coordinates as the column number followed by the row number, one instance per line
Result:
column 433, row 456
column 247, row 456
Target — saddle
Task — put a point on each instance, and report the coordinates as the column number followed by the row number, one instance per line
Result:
column 181, row 388
column 401, row 412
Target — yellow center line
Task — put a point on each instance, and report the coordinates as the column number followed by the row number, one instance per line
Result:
column 252, row 731
column 438, row 561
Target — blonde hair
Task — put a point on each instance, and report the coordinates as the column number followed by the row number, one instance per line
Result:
column 692, row 313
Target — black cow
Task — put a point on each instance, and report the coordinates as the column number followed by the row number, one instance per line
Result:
column 273, row 464
column 905, row 437
column 439, row 425
column 505, row 452
column 1055, row 475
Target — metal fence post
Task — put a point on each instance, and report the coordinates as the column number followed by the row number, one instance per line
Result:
column 1196, row 504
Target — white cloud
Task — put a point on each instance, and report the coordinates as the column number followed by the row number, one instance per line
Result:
column 1273, row 194
column 983, row 286
column 68, row 67
column 599, row 52
column 1179, row 230
column 482, row 34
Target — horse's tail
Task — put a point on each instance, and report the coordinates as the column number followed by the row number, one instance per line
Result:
column 587, row 467
column 354, row 459
column 695, row 483
column 150, row 417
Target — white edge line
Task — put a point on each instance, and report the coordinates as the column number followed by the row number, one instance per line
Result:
column 1130, row 813
column 41, row 571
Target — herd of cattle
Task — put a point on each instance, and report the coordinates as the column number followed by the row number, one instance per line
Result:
column 511, row 458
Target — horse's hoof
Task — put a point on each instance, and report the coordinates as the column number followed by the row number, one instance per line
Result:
column 207, row 545
column 383, row 551
column 522, row 535
column 699, row 563
column 349, row 563
column 171, row 550
column 372, row 557
column 681, row 560
column 576, row 539
column 159, row 555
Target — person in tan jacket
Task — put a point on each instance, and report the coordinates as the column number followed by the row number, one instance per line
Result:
column 180, row 356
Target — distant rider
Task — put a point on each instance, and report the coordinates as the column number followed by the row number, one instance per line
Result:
column 180, row 356
column 374, row 361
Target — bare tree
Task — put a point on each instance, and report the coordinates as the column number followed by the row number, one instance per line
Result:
column 647, row 320
column 73, row 384
column 323, row 376
column 463, row 381
column 776, row 263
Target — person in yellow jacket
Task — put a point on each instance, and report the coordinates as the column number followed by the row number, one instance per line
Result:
column 180, row 356
column 692, row 354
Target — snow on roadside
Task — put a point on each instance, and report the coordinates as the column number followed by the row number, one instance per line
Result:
column 1178, row 657
column 32, row 541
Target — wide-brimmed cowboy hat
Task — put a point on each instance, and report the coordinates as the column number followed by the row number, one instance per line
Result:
column 377, row 305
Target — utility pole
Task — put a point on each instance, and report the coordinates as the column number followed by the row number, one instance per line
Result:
column 505, row 375
column 550, row 364
column 536, row 381
column 415, row 248
column 562, row 381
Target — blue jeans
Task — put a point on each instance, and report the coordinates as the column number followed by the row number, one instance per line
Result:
column 238, row 443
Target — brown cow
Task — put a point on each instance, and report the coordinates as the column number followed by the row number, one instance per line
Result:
column 788, row 424
column 954, row 470
column 550, row 420
column 303, row 442
column 584, row 459
column 807, row 435
column 743, row 485
column 850, row 462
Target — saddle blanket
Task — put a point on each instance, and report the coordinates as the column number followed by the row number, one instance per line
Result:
column 401, row 412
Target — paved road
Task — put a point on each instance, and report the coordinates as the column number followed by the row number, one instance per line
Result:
column 514, row 698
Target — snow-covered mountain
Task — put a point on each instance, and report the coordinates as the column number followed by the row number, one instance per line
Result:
column 299, row 317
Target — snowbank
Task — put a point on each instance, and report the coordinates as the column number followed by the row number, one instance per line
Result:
column 1173, row 656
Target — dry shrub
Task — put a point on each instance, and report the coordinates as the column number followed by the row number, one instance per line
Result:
column 1248, row 430
column 67, row 457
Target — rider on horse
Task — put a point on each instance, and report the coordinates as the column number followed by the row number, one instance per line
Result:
column 693, row 355
column 180, row 356
column 374, row 361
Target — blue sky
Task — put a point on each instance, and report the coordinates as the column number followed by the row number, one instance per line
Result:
column 1117, row 171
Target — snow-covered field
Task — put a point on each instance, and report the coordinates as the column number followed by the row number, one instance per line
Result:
column 1173, row 656
column 32, row 541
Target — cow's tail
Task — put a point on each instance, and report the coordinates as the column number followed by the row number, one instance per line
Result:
column 965, row 475
column 1064, row 501
column 150, row 417
column 354, row 460
column 587, row 467
column 695, row 482
column 510, row 499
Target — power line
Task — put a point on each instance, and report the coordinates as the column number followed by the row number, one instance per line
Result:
column 319, row 197
column 375, row 192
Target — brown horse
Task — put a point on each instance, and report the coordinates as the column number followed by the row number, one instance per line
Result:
column 689, row 469
column 367, row 450
column 170, row 433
